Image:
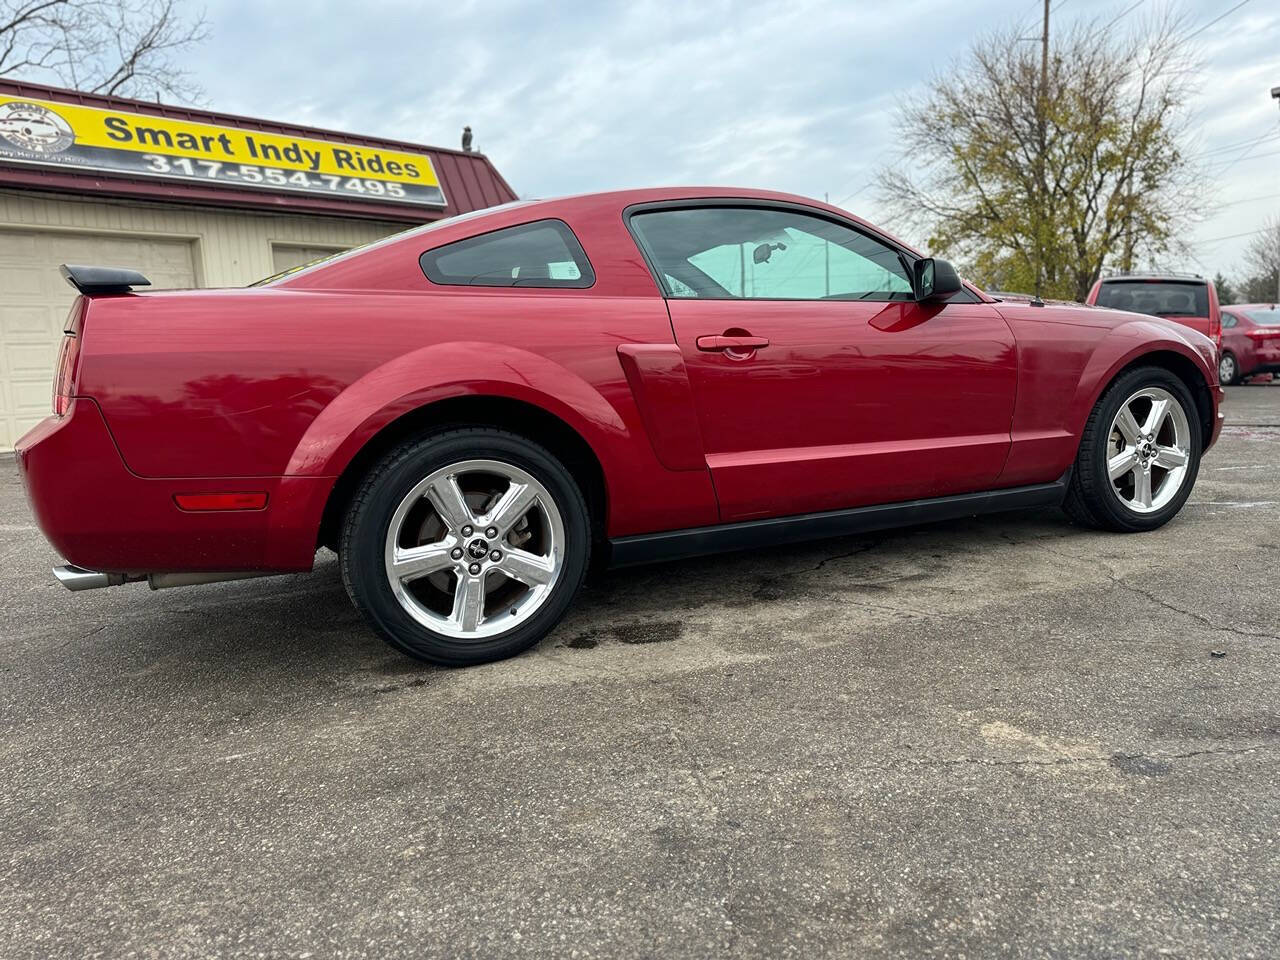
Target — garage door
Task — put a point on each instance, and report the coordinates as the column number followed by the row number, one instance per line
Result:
column 34, row 300
column 286, row 256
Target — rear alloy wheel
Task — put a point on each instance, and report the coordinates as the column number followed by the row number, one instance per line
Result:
column 1139, row 454
column 1228, row 369
column 466, row 547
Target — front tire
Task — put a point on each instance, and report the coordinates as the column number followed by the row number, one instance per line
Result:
column 1139, row 454
column 465, row 546
column 1228, row 369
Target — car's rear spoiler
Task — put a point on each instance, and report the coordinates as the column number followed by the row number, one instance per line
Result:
column 102, row 279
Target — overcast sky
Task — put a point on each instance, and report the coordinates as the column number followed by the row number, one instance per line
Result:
column 797, row 96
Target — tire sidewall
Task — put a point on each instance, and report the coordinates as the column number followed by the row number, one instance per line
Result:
column 364, row 538
column 1235, row 369
column 1105, row 500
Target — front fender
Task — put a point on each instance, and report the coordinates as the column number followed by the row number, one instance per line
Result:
column 1127, row 343
column 426, row 375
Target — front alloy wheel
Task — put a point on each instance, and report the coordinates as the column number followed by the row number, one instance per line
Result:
column 1150, row 448
column 1139, row 453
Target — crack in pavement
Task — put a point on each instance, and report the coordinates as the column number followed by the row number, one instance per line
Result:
column 1118, row 581
column 1099, row 759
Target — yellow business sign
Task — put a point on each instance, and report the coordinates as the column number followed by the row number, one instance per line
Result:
column 68, row 136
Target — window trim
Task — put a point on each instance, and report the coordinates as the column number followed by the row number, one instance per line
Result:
column 907, row 258
column 586, row 280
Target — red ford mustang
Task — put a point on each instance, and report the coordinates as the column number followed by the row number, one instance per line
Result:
column 470, row 412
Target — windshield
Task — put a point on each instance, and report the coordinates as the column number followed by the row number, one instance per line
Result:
column 1160, row 298
column 1266, row 318
column 365, row 247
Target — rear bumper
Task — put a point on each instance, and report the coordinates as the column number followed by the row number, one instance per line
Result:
column 102, row 517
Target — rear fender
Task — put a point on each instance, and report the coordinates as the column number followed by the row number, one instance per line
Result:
column 424, row 376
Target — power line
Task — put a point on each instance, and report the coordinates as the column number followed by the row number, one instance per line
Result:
column 1233, row 203
column 1228, row 147
column 1221, row 16
column 1230, row 236
column 1231, row 163
column 1121, row 15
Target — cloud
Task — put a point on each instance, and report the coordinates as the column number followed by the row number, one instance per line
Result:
column 573, row 97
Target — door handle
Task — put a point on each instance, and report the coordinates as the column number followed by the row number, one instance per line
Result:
column 739, row 344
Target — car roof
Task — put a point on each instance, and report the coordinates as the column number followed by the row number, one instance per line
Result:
column 1154, row 278
column 621, row 199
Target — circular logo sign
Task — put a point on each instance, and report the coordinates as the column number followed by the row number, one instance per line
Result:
column 35, row 129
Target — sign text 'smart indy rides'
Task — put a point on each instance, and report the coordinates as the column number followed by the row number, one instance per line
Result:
column 48, row 133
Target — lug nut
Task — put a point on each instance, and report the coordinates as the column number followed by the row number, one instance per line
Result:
column 495, row 556
column 467, row 531
column 474, row 569
column 491, row 533
column 456, row 553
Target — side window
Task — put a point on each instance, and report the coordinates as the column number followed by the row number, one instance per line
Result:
column 540, row 254
column 756, row 253
column 1228, row 321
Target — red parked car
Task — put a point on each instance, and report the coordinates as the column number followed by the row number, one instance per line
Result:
column 470, row 412
column 1250, row 341
column 1183, row 298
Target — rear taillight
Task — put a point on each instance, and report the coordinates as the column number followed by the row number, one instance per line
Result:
column 1215, row 330
column 1263, row 334
column 64, row 379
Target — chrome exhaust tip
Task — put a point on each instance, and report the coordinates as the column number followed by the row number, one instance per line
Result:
column 78, row 578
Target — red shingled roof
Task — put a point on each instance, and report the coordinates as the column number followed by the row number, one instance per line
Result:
column 469, row 180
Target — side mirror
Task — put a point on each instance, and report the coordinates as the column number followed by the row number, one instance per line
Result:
column 935, row 279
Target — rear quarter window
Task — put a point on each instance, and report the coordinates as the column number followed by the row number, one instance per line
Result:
column 544, row 253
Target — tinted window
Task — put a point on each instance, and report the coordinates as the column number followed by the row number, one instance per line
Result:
column 764, row 254
column 1162, row 298
column 540, row 254
column 1267, row 318
column 1228, row 321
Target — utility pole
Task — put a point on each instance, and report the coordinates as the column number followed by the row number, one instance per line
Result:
column 1275, row 95
column 1041, row 124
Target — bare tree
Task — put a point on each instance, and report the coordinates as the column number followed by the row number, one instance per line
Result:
column 1262, row 264
column 125, row 47
column 1039, row 179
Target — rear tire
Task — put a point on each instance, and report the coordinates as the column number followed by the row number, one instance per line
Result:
column 1135, row 470
column 465, row 546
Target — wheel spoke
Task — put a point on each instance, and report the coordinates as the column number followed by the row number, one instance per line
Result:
column 528, row 568
column 1122, row 463
column 1142, row 487
column 446, row 496
column 1171, row 458
column 1127, row 425
column 415, row 562
column 511, row 506
column 1156, row 417
column 468, row 602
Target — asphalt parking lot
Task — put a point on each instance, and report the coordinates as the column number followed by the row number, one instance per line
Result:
column 999, row 736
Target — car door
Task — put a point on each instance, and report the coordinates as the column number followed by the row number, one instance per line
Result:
column 819, row 382
column 1236, row 342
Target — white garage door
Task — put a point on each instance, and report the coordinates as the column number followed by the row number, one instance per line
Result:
column 34, row 300
column 286, row 256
